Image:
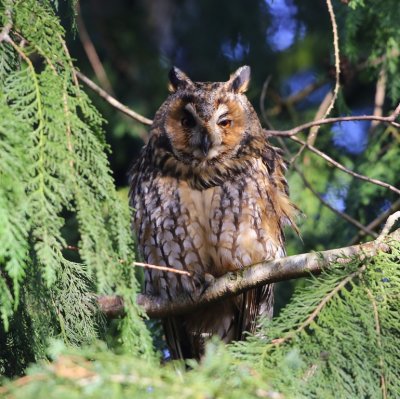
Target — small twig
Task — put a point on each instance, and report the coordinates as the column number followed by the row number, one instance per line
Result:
column 379, row 97
column 163, row 268
column 377, row 221
column 144, row 265
column 112, row 101
column 262, row 101
column 320, row 306
column 91, row 52
column 337, row 58
column 295, row 98
column 312, row 135
column 343, row 215
column 344, row 169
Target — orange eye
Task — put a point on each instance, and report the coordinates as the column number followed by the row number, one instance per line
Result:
column 188, row 121
column 225, row 123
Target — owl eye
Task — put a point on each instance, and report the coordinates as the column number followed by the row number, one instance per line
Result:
column 225, row 123
column 188, row 121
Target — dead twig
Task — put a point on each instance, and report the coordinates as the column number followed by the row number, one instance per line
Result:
column 91, row 52
column 343, row 215
column 337, row 58
column 376, row 222
column 292, row 132
column 379, row 98
column 112, row 101
column 162, row 268
column 343, row 168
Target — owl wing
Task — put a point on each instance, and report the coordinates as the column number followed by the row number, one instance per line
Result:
column 258, row 303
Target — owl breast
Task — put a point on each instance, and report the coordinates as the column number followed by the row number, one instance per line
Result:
column 215, row 230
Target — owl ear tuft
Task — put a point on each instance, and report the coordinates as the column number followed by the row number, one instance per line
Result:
column 177, row 79
column 239, row 80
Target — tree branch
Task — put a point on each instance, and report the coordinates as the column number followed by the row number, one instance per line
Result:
column 343, row 168
column 376, row 222
column 292, row 132
column 112, row 101
column 234, row 283
column 343, row 215
column 91, row 52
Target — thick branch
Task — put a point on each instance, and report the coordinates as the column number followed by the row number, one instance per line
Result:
column 234, row 283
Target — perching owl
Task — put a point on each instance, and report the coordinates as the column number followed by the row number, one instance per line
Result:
column 210, row 197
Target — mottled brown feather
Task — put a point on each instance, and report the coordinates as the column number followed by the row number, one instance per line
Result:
column 209, row 212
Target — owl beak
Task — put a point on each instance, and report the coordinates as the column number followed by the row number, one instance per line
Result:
column 205, row 144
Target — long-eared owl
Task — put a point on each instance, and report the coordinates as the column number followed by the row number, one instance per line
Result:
column 209, row 196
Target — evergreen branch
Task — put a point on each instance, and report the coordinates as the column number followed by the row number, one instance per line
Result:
column 343, row 168
column 113, row 101
column 379, row 341
column 321, row 305
column 234, row 283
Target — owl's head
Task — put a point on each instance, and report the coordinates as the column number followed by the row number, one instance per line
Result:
column 207, row 122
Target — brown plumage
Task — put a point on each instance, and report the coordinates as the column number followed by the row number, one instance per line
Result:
column 210, row 197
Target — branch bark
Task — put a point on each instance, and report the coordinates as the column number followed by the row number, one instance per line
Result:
column 234, row 283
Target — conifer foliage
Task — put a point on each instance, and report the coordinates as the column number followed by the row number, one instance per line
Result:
column 53, row 164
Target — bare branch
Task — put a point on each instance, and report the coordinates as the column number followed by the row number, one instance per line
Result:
column 112, row 101
column 337, row 58
column 162, row 268
column 343, row 168
column 296, row 97
column 343, row 215
column 91, row 52
column 234, row 283
column 292, row 132
column 262, row 100
column 379, row 97
column 377, row 221
column 312, row 135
